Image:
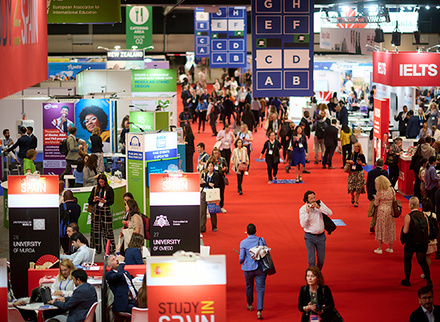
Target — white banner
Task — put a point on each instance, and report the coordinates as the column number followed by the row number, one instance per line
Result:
column 347, row 40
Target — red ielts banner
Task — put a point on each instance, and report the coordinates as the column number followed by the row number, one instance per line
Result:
column 406, row 68
column 380, row 127
column 23, row 44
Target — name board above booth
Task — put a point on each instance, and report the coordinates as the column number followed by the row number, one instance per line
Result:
column 84, row 11
column 406, row 68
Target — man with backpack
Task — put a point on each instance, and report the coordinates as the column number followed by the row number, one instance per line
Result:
column 415, row 236
column 319, row 128
column 72, row 151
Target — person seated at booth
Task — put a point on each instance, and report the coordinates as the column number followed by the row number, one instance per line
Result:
column 28, row 163
column 78, row 305
column 83, row 253
column 121, row 284
column 72, row 228
column 133, row 254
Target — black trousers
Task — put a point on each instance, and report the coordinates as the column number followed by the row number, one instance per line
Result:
column 212, row 123
column 420, row 251
column 240, row 175
column 417, row 183
column 226, row 153
column 394, row 174
column 272, row 167
column 328, row 155
column 346, row 151
column 202, row 119
column 221, row 185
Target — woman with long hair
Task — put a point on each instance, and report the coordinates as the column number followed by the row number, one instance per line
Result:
column 239, row 163
column 236, row 125
column 220, row 166
column 96, row 148
column 299, row 152
column 90, row 173
column 209, row 179
column 142, row 294
column 101, row 197
column 345, row 142
column 246, row 136
column 432, row 115
column 133, row 253
column 63, row 285
column 356, row 178
column 315, row 298
column 134, row 222
column 188, row 137
column 385, row 226
column 125, row 129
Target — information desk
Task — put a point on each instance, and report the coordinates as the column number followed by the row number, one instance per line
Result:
column 406, row 176
column 82, row 194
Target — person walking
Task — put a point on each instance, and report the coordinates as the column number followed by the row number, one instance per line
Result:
column 319, row 127
column 212, row 114
column 416, row 240
column 330, row 142
column 202, row 109
column 209, row 179
column 253, row 273
column 371, row 188
column 221, row 167
column 310, row 218
column 395, row 151
column 356, row 179
column 272, row 149
column 246, row 136
column 431, row 179
column 24, row 144
column 226, row 139
column 299, row 152
column 188, row 137
column 346, row 145
column 73, row 148
column 385, row 226
column 239, row 163
column 101, row 197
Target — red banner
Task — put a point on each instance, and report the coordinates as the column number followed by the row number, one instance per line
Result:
column 23, row 44
column 21, row 185
column 380, row 127
column 406, row 68
column 178, row 182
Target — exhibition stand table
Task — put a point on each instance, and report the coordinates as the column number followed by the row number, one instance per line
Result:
column 82, row 194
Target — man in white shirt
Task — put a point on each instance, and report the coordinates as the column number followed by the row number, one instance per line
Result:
column 83, row 253
column 310, row 218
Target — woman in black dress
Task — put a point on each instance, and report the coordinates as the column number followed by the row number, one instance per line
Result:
column 96, row 148
column 272, row 149
column 209, row 179
column 188, row 137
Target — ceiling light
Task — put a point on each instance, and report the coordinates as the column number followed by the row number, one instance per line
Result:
column 427, row 7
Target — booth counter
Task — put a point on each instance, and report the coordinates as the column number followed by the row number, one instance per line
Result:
column 82, row 194
column 406, row 176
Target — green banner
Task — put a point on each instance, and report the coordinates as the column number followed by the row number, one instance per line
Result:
column 83, row 11
column 137, row 185
column 139, row 26
column 144, row 120
column 153, row 80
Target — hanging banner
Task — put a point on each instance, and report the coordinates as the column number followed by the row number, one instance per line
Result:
column 228, row 38
column 68, row 70
column 282, row 50
column 344, row 40
column 406, row 68
column 125, row 59
column 174, row 212
column 201, row 33
column 91, row 113
column 57, row 119
column 33, row 203
column 83, row 11
column 23, row 45
column 186, row 289
column 138, row 26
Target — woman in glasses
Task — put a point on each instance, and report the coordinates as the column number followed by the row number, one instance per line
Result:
column 94, row 116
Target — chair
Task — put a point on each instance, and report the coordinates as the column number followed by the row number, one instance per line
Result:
column 91, row 314
column 138, row 314
column 122, row 316
column 14, row 315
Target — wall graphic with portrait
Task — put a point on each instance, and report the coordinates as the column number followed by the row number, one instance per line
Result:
column 91, row 113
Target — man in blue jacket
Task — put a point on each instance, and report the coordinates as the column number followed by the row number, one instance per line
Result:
column 412, row 128
column 121, row 284
column 79, row 304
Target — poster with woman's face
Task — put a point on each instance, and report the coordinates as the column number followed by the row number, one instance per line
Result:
column 91, row 114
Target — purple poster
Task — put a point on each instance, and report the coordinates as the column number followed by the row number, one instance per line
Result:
column 57, row 118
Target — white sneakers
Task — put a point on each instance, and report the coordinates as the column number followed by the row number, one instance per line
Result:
column 246, row 173
column 389, row 250
column 378, row 251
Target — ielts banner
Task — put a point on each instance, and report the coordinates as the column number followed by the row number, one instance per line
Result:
column 406, row 68
column 23, row 44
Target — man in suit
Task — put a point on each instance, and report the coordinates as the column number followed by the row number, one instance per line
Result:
column 371, row 186
column 24, row 143
column 34, row 140
column 402, row 120
column 330, row 142
column 79, row 304
column 427, row 311
column 121, row 284
column 341, row 112
column 412, row 128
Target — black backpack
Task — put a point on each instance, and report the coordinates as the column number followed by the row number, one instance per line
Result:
column 419, row 226
column 63, row 147
column 320, row 130
column 285, row 127
column 433, row 227
column 64, row 220
column 216, row 109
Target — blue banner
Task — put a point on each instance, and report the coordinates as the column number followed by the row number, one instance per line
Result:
column 282, row 51
column 160, row 154
column 228, row 38
column 201, row 33
column 68, row 71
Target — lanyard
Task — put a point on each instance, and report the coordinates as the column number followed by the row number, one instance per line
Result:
column 65, row 287
column 209, row 177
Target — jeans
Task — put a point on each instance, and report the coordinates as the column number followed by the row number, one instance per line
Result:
column 328, row 156
column 319, row 145
column 260, row 280
column 318, row 242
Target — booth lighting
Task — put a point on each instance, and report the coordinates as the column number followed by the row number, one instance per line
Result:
column 103, row 48
column 396, row 36
column 378, row 35
column 427, row 7
column 134, row 47
column 417, row 37
column 437, row 7
column 117, row 47
column 374, row 14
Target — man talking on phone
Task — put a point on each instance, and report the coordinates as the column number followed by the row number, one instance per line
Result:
column 310, row 218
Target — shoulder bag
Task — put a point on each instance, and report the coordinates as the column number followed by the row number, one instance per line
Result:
column 347, row 167
column 353, row 139
column 266, row 262
column 397, row 207
column 329, row 225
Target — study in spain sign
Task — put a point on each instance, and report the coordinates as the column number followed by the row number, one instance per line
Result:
column 139, row 26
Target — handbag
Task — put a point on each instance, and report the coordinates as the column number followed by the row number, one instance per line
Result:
column 397, row 208
column 212, row 195
column 213, row 208
column 391, row 159
column 242, row 167
column 226, row 181
column 332, row 315
column 266, row 263
column 329, row 225
column 353, row 139
column 91, row 208
column 372, row 210
column 347, row 167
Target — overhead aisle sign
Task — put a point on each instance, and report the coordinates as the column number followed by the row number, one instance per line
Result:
column 228, row 38
column 282, row 54
column 201, row 33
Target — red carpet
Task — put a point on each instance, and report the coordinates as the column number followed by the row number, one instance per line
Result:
column 365, row 286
